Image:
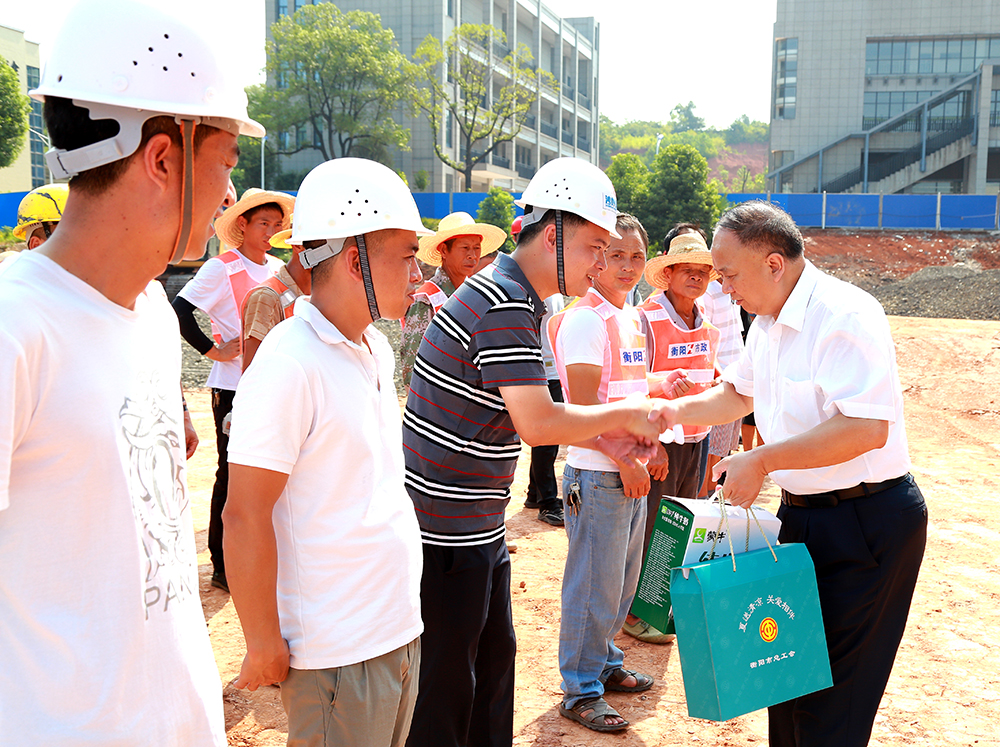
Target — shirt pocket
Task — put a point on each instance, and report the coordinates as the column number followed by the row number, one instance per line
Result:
column 799, row 407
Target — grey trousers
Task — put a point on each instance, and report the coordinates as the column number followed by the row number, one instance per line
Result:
column 369, row 704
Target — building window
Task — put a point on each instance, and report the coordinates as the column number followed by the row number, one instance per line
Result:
column 929, row 56
column 882, row 105
column 780, row 157
column 451, row 9
column 995, row 109
column 786, row 63
column 282, row 8
column 36, row 126
column 449, row 125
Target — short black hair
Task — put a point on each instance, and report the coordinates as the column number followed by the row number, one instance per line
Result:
column 763, row 226
column 628, row 222
column 71, row 127
column 570, row 221
column 249, row 214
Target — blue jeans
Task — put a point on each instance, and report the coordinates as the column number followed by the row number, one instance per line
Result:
column 602, row 571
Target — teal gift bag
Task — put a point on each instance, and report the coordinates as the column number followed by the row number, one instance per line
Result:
column 749, row 631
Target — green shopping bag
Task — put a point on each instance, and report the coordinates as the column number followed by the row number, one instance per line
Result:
column 749, row 631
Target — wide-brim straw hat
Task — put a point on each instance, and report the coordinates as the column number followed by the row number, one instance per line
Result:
column 280, row 239
column 687, row 248
column 225, row 225
column 459, row 224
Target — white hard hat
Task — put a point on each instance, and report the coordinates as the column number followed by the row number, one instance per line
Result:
column 573, row 186
column 129, row 62
column 349, row 197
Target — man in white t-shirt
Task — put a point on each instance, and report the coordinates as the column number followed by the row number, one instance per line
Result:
column 322, row 541
column 599, row 351
column 218, row 289
column 103, row 638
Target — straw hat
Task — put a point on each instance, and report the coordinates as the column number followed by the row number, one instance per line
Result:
column 280, row 239
column 225, row 225
column 459, row 224
column 687, row 248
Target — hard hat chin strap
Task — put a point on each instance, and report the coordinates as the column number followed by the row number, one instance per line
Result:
column 187, row 190
column 366, row 275
column 560, row 264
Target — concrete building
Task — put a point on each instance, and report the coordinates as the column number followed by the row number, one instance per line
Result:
column 562, row 123
column 28, row 170
column 886, row 96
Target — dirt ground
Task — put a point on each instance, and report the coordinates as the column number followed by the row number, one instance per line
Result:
column 945, row 688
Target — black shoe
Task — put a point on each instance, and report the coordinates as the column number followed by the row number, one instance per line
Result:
column 219, row 581
column 532, row 502
column 553, row 516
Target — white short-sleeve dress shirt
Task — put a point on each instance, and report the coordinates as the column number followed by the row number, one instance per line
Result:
column 828, row 351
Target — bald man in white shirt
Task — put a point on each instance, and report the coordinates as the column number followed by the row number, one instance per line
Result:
column 819, row 370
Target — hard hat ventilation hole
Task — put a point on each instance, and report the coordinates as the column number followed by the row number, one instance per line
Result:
column 59, row 79
column 150, row 49
column 166, row 36
column 192, row 75
column 135, row 62
column 164, row 68
column 180, row 54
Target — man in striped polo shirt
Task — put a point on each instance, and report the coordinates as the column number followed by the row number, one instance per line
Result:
column 478, row 382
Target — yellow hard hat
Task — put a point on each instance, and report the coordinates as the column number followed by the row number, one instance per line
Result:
column 43, row 204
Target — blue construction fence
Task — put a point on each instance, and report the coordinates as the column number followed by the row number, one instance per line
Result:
column 933, row 212
column 943, row 212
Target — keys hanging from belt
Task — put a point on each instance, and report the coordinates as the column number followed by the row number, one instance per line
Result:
column 573, row 499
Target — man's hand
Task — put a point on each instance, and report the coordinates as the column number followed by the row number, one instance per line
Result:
column 663, row 413
column 635, row 478
column 659, row 465
column 267, row 665
column 190, row 435
column 225, row 351
column 622, row 447
column 744, row 477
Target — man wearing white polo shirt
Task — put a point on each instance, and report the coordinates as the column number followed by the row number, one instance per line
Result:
column 322, row 544
column 820, row 373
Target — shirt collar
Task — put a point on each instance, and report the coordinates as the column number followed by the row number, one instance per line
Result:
column 326, row 330
column 793, row 312
column 506, row 266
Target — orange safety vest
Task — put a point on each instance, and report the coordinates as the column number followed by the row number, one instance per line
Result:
column 240, row 283
column 285, row 295
column 624, row 370
column 431, row 294
column 674, row 347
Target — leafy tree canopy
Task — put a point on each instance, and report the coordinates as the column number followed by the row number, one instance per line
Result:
column 336, row 79
column 683, row 118
column 497, row 209
column 679, row 191
column 631, row 179
column 486, row 100
column 14, row 110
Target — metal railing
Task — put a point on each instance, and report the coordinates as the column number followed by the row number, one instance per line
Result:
column 583, row 144
column 501, row 161
column 500, row 50
column 584, row 100
column 529, row 121
column 550, row 129
column 525, row 171
column 879, row 171
column 567, row 137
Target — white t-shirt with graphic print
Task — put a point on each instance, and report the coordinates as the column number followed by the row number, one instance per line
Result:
column 102, row 634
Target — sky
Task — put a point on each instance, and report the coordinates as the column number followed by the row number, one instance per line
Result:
column 654, row 53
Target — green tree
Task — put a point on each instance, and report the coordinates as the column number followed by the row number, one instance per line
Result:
column 14, row 110
column 742, row 130
column 683, row 118
column 486, row 98
column 337, row 79
column 679, row 191
column 247, row 173
column 420, row 179
column 497, row 209
column 631, row 179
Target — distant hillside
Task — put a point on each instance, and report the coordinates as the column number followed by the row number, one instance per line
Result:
column 727, row 163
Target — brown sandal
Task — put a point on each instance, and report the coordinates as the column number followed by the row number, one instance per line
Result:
column 598, row 708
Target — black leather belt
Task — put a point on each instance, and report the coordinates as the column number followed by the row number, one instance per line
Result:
column 833, row 498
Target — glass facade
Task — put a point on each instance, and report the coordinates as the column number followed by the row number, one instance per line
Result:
column 786, row 62
column 994, row 108
column 883, row 105
column 36, row 125
column 929, row 56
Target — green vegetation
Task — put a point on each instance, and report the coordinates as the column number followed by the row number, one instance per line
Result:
column 14, row 110
column 497, row 209
column 492, row 99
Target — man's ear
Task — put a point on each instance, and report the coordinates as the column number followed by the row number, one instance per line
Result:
column 549, row 237
column 161, row 159
column 353, row 260
column 776, row 264
column 241, row 222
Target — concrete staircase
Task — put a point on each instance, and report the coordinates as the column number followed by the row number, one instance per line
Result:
column 903, row 178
